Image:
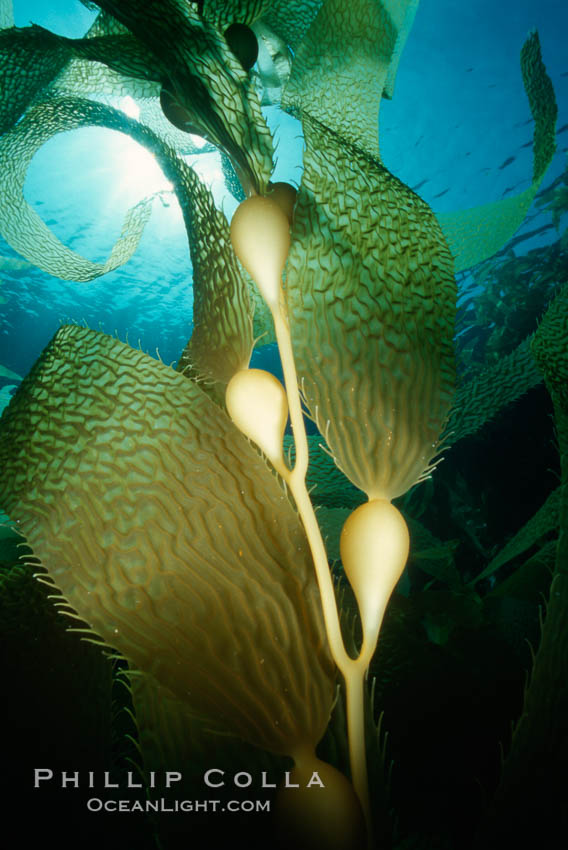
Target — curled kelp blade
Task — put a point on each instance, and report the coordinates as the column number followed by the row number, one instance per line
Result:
column 23, row 229
column 223, row 335
column 479, row 232
column 167, row 533
column 345, row 61
column 371, row 295
column 205, row 88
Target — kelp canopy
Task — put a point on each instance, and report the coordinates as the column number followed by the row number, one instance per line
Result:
column 162, row 529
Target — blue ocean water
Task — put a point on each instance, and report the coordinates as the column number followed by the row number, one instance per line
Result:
column 458, row 130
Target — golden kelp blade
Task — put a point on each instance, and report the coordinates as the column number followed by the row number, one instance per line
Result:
column 222, row 339
column 166, row 532
column 371, row 295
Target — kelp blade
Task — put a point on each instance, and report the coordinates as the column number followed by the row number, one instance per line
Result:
column 167, row 533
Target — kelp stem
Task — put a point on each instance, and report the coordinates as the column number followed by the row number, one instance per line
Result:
column 296, row 480
column 354, row 686
column 353, row 670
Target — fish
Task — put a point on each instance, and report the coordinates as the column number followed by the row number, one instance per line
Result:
column 507, row 162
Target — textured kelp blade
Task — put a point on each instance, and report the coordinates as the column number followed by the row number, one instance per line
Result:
column 371, row 295
column 168, row 534
column 341, row 67
column 29, row 61
column 403, row 15
column 205, row 79
column 223, row 13
column 291, row 19
column 27, row 233
column 33, row 60
column 222, row 338
column 272, row 69
column 263, row 324
column 107, row 62
column 480, row 399
column 542, row 523
column 550, row 351
column 21, row 226
column 476, row 234
column 170, row 44
column 122, row 66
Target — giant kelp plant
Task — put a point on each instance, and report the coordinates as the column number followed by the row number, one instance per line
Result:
column 160, row 505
